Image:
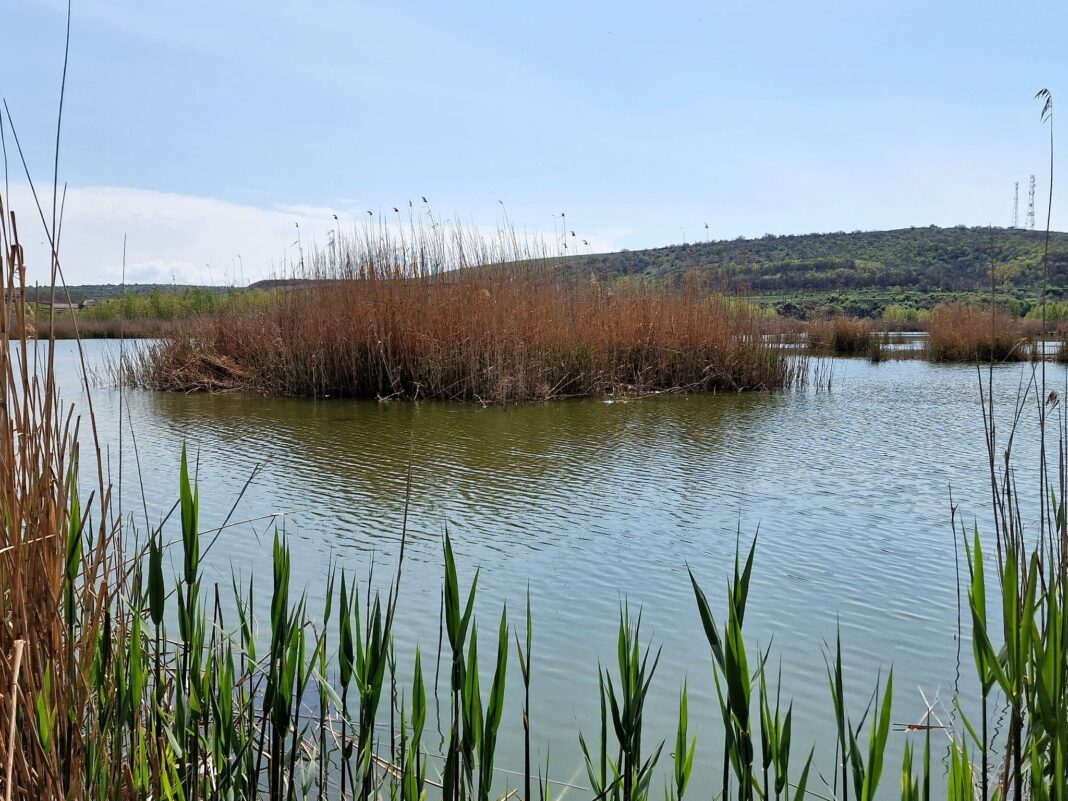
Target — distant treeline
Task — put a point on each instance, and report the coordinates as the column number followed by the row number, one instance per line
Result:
column 918, row 259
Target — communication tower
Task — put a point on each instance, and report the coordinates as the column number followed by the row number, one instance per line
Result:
column 1031, row 206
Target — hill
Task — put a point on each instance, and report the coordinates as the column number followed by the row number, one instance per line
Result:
column 919, row 259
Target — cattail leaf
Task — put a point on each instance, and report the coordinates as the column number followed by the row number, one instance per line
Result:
column 156, row 589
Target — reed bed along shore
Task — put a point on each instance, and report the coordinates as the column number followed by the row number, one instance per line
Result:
column 954, row 333
column 523, row 330
column 60, row 566
column 454, row 316
column 67, row 327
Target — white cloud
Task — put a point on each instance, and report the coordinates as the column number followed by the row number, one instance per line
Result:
column 188, row 239
column 183, row 238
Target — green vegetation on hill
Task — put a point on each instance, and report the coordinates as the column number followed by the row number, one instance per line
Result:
column 881, row 265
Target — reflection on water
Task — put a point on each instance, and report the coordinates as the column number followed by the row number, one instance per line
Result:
column 590, row 504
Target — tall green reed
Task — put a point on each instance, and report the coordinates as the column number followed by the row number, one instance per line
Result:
column 627, row 776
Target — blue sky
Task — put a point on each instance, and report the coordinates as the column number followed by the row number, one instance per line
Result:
column 203, row 130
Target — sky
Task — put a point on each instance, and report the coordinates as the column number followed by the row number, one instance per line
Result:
column 205, row 131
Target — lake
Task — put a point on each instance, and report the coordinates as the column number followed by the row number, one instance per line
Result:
column 592, row 504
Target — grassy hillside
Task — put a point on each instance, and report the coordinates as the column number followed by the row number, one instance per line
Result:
column 918, row 259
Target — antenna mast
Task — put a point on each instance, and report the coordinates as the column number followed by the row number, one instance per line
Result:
column 1031, row 206
column 1016, row 206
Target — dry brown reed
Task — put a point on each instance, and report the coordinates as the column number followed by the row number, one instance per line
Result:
column 783, row 329
column 57, row 560
column 899, row 326
column 842, row 336
column 966, row 333
column 437, row 320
